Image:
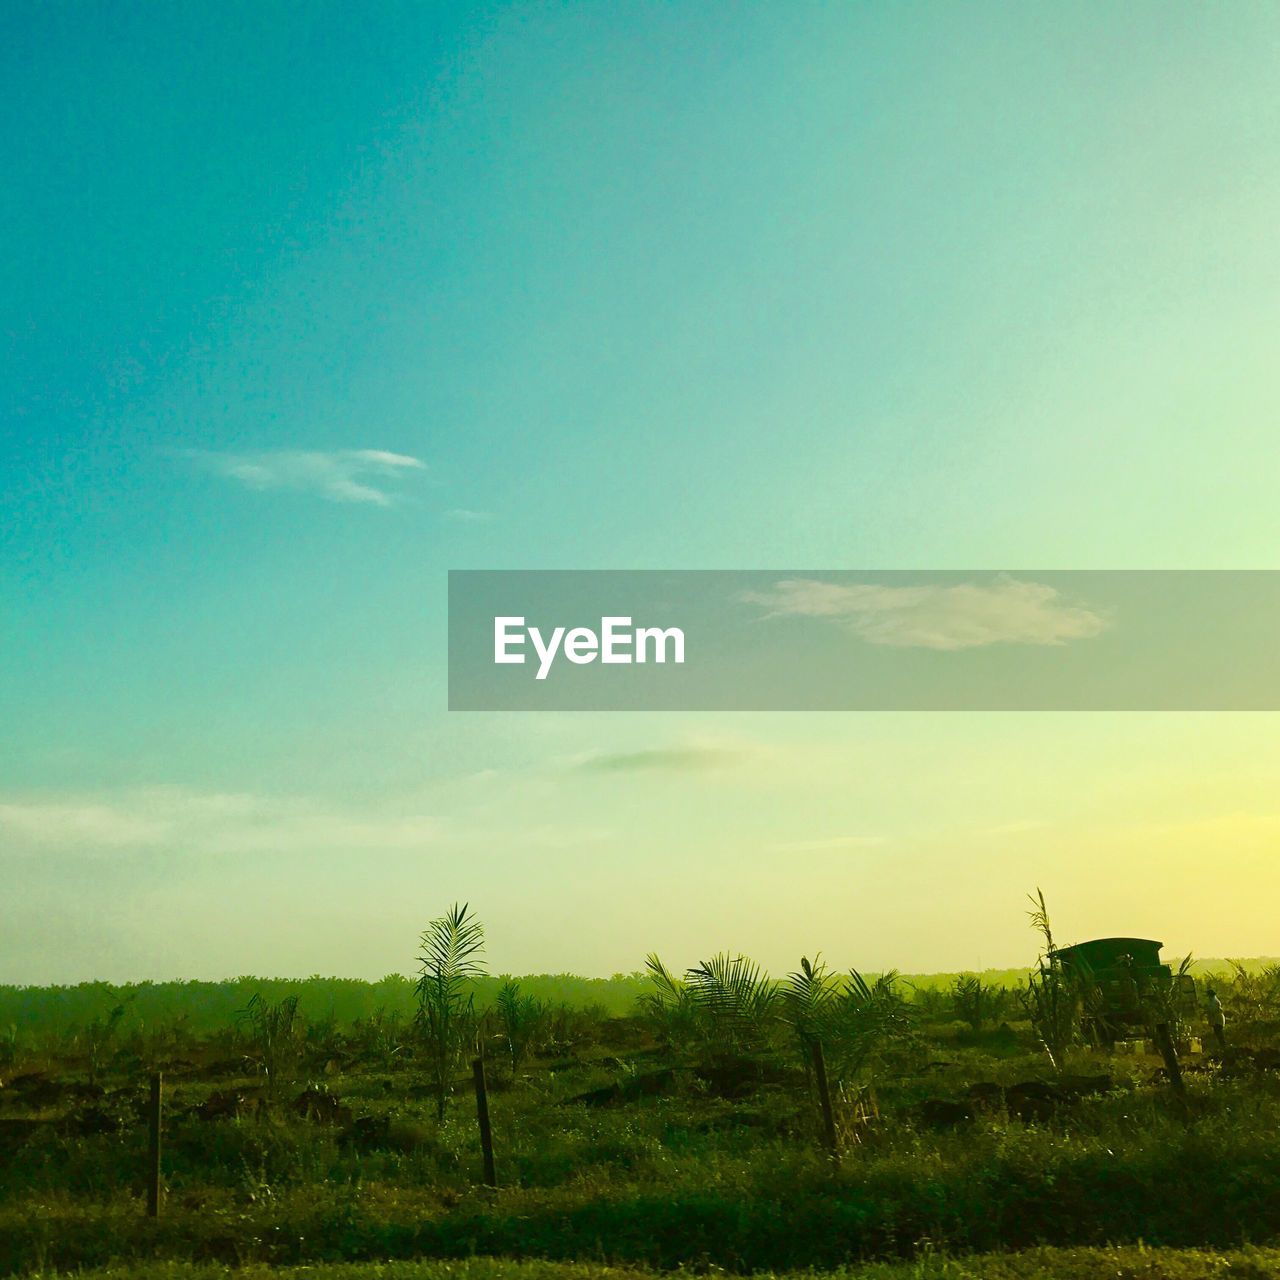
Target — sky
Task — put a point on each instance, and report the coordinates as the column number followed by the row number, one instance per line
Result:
column 304, row 306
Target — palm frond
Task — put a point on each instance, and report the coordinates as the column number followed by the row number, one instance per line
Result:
column 732, row 988
column 807, row 996
column 1039, row 917
column 667, row 986
column 450, row 945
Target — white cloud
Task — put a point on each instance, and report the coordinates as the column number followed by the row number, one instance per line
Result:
column 179, row 820
column 661, row 759
column 78, row 822
column 342, row 475
column 932, row 616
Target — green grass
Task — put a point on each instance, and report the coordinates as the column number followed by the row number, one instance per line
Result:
column 687, row 1181
column 680, row 1179
column 1130, row 1263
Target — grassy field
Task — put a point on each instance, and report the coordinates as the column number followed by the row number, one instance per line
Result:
column 1133, row 1263
column 687, row 1134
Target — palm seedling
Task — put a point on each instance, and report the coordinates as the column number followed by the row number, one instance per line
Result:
column 521, row 1018
column 734, row 1001
column 99, row 1035
column 972, row 1001
column 854, row 1018
column 1252, row 999
column 381, row 1036
column 1051, row 999
column 668, row 1005
column 854, row 1023
column 871, row 1017
column 275, row 1033
column 721, row 1013
column 864, row 1022
column 807, row 1000
column 8, row 1046
column 1170, row 1001
column 448, row 963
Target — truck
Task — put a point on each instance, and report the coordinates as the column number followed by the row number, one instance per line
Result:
column 1124, row 985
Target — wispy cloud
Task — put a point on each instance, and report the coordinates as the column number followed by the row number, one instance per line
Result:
column 680, row 759
column 466, row 515
column 932, row 616
column 180, row 820
column 341, row 475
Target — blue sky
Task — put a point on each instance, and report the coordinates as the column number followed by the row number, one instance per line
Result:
column 303, row 307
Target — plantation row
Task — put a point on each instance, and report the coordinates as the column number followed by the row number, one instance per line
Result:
column 723, row 1010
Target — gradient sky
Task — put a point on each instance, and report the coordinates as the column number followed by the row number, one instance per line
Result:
column 303, row 306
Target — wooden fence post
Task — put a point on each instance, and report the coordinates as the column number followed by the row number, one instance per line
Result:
column 824, row 1098
column 482, row 1115
column 155, row 1116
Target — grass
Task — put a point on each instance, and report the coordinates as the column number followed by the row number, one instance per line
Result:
column 706, row 1157
column 1129, row 1263
column 687, row 1181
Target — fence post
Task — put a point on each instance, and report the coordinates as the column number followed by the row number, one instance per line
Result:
column 155, row 1115
column 824, row 1098
column 482, row 1115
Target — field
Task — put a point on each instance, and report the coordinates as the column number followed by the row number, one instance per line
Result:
column 653, row 1122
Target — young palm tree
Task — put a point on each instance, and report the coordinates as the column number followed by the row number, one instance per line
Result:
column 1052, row 1000
column 668, row 1006
column 808, row 998
column 521, row 1017
column 735, row 1001
column 857, row 1021
column 447, row 964
column 275, row 1033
